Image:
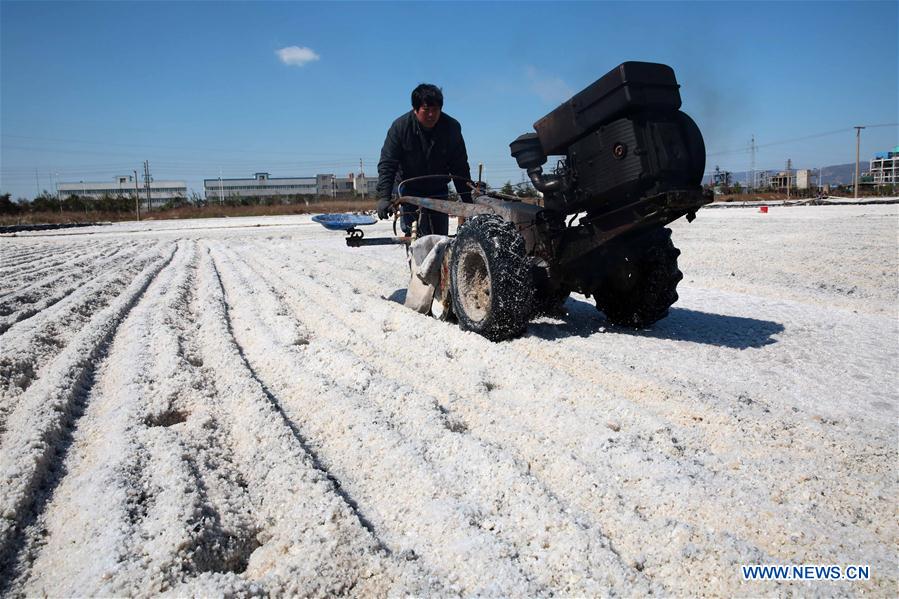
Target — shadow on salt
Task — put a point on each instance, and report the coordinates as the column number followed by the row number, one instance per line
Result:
column 682, row 324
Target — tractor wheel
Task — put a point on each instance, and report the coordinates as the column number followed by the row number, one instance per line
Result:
column 641, row 283
column 492, row 287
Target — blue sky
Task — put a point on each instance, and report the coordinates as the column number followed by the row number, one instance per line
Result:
column 90, row 90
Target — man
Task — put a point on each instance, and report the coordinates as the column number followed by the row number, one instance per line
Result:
column 425, row 141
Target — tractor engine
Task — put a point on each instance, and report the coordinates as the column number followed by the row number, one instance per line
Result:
column 621, row 139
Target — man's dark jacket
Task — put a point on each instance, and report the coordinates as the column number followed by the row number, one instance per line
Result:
column 410, row 152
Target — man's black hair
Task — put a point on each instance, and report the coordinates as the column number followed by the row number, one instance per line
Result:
column 427, row 94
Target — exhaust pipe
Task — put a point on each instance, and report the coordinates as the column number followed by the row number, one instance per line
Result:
column 528, row 152
column 545, row 183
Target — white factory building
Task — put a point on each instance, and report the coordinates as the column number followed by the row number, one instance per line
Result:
column 263, row 185
column 798, row 179
column 885, row 167
column 123, row 185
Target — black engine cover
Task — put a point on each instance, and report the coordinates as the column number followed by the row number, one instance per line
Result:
column 630, row 87
column 640, row 155
column 624, row 139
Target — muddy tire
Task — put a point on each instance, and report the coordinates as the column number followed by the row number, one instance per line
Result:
column 641, row 284
column 492, row 288
column 442, row 305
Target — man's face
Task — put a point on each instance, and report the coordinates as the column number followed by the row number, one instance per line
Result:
column 428, row 115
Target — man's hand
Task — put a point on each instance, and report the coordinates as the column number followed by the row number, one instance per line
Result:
column 385, row 208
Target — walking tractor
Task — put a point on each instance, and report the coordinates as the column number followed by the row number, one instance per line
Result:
column 628, row 162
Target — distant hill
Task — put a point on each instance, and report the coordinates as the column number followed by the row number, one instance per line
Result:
column 836, row 174
column 843, row 174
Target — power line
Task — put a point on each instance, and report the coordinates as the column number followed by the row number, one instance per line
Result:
column 164, row 147
column 795, row 139
column 778, row 143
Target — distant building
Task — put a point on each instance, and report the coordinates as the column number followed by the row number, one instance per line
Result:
column 782, row 180
column 363, row 184
column 884, row 167
column 262, row 185
column 720, row 180
column 123, row 185
column 798, row 179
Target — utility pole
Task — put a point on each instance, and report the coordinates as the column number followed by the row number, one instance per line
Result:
column 789, row 167
column 751, row 185
column 221, row 189
column 364, row 183
column 858, row 141
column 136, row 196
column 147, row 182
column 37, row 184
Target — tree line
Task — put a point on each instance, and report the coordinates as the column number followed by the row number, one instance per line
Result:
column 118, row 203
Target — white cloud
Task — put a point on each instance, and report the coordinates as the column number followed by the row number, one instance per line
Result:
column 296, row 56
column 547, row 87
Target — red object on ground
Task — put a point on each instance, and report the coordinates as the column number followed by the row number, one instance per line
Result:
column 763, row 209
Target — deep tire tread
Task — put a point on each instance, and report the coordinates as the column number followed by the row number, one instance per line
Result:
column 655, row 291
column 511, row 280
